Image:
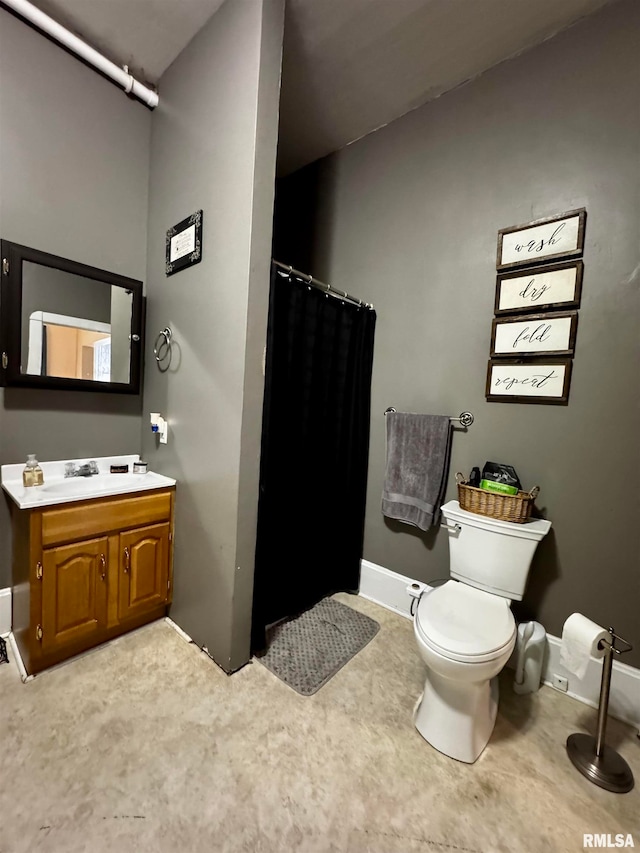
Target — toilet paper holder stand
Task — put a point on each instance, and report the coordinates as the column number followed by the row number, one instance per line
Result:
column 601, row 764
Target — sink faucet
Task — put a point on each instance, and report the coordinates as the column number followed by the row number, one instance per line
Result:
column 87, row 469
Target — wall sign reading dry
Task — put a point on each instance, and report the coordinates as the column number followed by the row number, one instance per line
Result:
column 541, row 289
column 517, row 371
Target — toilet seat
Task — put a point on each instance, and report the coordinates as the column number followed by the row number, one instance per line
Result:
column 465, row 624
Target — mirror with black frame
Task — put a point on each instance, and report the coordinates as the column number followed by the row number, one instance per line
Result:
column 67, row 325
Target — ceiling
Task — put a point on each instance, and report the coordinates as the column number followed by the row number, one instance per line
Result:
column 349, row 66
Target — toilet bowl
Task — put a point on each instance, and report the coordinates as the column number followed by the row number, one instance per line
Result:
column 465, row 629
column 465, row 637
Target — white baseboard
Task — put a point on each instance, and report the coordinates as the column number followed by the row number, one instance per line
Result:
column 624, row 698
column 18, row 659
column 5, row 611
column 178, row 630
column 388, row 589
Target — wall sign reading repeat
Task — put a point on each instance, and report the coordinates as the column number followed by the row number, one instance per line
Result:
column 534, row 382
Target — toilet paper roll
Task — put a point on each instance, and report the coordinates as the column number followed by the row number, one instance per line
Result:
column 580, row 639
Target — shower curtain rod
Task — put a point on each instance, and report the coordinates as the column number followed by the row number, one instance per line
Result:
column 332, row 291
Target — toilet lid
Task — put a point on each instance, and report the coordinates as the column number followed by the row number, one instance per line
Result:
column 465, row 621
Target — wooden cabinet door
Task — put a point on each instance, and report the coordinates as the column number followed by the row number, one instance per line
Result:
column 74, row 593
column 144, row 569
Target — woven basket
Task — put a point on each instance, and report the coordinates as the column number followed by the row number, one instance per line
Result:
column 516, row 508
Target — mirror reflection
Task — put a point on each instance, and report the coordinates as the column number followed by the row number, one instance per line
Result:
column 74, row 327
column 68, row 325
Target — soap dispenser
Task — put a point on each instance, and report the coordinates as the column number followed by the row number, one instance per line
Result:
column 32, row 474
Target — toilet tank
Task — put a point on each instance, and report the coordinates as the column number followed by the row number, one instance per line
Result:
column 490, row 554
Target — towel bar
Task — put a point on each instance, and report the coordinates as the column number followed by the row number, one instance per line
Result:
column 465, row 418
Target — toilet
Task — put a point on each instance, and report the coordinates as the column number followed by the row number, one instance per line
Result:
column 466, row 631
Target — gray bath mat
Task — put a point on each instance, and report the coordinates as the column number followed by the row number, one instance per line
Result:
column 307, row 651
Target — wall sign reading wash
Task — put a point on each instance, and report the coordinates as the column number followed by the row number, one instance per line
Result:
column 540, row 381
column 542, row 240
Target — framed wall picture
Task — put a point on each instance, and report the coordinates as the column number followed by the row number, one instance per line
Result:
column 539, row 381
column 184, row 244
column 535, row 334
column 545, row 288
column 547, row 239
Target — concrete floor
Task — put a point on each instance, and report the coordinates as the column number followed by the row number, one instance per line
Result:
column 145, row 745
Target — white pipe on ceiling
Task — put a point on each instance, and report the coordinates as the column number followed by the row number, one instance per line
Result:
column 52, row 28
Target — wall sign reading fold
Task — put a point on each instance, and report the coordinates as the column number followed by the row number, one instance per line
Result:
column 539, row 381
column 542, row 288
column 542, row 240
column 535, row 334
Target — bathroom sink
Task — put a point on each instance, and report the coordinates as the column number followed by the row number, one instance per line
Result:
column 58, row 489
column 90, row 485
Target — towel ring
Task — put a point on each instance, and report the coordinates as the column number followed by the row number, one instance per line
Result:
column 162, row 347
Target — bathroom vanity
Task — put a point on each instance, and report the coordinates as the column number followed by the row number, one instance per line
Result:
column 92, row 558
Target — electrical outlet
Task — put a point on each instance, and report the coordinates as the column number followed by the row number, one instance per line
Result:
column 560, row 682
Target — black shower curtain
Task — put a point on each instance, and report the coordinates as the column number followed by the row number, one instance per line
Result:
column 315, row 448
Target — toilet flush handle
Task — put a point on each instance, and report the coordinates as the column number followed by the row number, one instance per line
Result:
column 452, row 528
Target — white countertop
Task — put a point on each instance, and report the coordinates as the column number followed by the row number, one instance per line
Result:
column 60, row 490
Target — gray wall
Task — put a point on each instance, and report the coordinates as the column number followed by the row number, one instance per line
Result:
column 213, row 147
column 74, row 170
column 407, row 218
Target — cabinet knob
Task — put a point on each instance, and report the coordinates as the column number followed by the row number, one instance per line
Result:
column 103, row 565
column 127, row 560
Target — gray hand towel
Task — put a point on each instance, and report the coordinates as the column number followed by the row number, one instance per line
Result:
column 418, row 450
